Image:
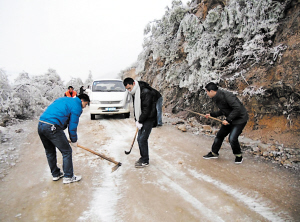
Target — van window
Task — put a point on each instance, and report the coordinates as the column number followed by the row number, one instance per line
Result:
column 108, row 86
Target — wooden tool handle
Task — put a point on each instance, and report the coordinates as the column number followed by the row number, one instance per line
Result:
column 137, row 129
column 204, row 115
column 98, row 154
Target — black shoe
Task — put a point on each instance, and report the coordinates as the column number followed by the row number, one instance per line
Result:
column 210, row 155
column 238, row 159
column 138, row 161
column 141, row 165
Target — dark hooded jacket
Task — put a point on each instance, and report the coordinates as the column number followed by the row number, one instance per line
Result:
column 230, row 106
column 148, row 103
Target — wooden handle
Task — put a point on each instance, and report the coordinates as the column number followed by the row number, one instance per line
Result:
column 98, row 154
column 137, row 129
column 204, row 115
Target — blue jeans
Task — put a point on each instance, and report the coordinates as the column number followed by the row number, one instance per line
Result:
column 52, row 140
column 142, row 139
column 234, row 131
column 159, row 111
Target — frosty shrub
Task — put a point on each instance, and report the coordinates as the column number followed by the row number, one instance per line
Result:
column 89, row 80
column 50, row 85
column 230, row 36
column 29, row 97
column 253, row 91
column 76, row 83
column 160, row 35
column 5, row 95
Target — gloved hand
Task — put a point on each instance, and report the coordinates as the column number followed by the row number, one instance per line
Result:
column 138, row 125
column 73, row 145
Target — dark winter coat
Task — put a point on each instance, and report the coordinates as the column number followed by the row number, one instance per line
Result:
column 230, row 106
column 62, row 112
column 148, row 103
column 81, row 90
column 157, row 94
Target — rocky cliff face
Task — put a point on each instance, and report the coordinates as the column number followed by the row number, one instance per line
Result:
column 250, row 48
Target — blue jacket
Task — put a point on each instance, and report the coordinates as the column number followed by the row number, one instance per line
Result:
column 64, row 111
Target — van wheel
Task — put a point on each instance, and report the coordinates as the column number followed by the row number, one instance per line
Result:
column 93, row 116
column 126, row 115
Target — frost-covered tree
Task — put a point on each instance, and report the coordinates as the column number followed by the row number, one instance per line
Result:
column 5, row 88
column 76, row 83
column 89, row 80
column 5, row 95
column 25, row 96
column 28, row 97
column 160, row 35
column 50, row 85
column 221, row 43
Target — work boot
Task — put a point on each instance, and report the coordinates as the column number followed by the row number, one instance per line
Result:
column 61, row 174
column 72, row 179
column 211, row 155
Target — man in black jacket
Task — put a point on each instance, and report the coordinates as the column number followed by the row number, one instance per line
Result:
column 236, row 119
column 145, row 115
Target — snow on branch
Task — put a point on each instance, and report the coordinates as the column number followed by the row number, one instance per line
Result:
column 230, row 36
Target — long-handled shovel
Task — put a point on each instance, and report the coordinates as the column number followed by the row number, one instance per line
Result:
column 127, row 152
column 203, row 115
column 104, row 157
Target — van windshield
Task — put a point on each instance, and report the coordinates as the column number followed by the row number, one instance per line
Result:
column 108, row 86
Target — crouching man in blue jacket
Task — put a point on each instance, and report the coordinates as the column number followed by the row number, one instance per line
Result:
column 62, row 113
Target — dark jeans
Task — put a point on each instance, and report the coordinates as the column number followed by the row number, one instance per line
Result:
column 52, row 140
column 159, row 110
column 142, row 139
column 234, row 131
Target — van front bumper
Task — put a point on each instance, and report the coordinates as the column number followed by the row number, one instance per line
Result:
column 96, row 109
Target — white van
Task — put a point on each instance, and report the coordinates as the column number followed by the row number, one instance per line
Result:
column 109, row 97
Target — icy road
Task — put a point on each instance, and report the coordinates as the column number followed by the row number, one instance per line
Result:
column 179, row 185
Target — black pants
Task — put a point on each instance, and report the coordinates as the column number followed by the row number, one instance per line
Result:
column 52, row 140
column 234, row 131
column 142, row 139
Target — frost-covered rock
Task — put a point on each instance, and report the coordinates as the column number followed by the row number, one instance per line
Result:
column 249, row 47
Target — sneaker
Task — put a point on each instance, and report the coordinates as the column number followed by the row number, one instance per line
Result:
column 211, row 155
column 138, row 161
column 141, row 165
column 72, row 179
column 238, row 159
column 58, row 177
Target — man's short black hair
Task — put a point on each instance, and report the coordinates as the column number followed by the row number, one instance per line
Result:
column 70, row 87
column 211, row 86
column 127, row 81
column 84, row 97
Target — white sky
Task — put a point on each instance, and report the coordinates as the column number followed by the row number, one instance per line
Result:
column 74, row 36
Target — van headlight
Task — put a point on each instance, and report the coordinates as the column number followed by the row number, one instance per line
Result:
column 95, row 102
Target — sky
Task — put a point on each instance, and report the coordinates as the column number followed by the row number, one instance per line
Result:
column 74, row 37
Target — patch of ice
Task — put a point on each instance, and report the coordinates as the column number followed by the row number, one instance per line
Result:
column 257, row 205
column 106, row 196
